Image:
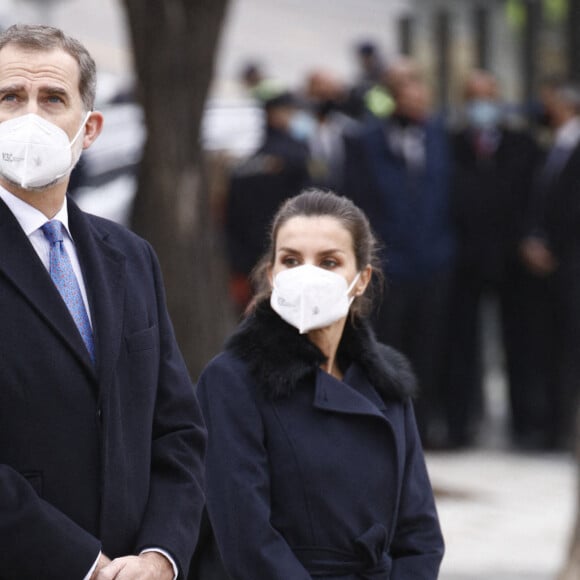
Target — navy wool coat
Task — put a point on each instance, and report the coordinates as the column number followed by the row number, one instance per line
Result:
column 106, row 457
column 309, row 476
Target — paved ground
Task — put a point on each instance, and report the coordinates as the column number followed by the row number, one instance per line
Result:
column 505, row 516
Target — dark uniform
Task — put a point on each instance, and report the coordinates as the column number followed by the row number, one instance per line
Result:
column 492, row 182
column 277, row 171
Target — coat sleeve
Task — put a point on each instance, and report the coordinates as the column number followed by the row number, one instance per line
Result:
column 417, row 547
column 173, row 514
column 238, row 482
column 38, row 537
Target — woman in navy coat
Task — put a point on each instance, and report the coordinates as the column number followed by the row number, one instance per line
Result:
column 314, row 465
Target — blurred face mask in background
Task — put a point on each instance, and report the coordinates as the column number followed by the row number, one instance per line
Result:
column 302, row 126
column 35, row 153
column 308, row 297
column 483, row 114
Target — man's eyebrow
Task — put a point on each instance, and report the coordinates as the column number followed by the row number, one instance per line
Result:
column 50, row 89
column 11, row 89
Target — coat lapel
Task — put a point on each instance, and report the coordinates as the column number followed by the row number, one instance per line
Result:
column 337, row 396
column 21, row 265
column 105, row 279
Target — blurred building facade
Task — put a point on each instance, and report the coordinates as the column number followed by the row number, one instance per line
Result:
column 521, row 41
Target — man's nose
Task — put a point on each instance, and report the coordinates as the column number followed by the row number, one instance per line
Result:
column 32, row 106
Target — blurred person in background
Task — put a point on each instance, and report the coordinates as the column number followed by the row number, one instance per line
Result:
column 256, row 83
column 399, row 172
column 370, row 64
column 494, row 167
column 259, row 184
column 251, row 76
column 370, row 94
column 327, row 99
column 315, row 467
column 551, row 251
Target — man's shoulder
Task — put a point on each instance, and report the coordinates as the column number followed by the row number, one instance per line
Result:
column 114, row 231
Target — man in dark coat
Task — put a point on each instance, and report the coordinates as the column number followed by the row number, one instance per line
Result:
column 101, row 438
column 552, row 252
column 399, row 174
column 493, row 173
column 259, row 185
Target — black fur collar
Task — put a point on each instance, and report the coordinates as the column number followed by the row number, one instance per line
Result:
column 279, row 357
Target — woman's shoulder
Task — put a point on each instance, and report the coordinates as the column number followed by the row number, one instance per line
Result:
column 392, row 373
column 225, row 362
column 387, row 369
column 226, row 388
column 225, row 371
column 396, row 363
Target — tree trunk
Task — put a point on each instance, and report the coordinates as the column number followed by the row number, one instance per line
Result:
column 174, row 45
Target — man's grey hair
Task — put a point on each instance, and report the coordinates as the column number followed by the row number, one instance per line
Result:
column 565, row 89
column 40, row 37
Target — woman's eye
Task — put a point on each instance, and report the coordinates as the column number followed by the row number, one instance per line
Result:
column 289, row 261
column 329, row 263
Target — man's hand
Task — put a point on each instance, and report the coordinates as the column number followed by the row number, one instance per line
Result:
column 101, row 563
column 537, row 257
column 147, row 566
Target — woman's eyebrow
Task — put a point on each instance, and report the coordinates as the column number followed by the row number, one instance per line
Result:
column 332, row 251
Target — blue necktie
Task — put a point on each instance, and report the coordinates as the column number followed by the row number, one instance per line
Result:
column 64, row 279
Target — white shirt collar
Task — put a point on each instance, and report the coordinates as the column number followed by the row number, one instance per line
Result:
column 29, row 218
column 568, row 135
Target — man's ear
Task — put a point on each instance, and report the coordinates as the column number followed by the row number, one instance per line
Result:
column 93, row 128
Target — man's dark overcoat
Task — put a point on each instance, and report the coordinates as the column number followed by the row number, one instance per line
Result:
column 107, row 457
column 555, row 215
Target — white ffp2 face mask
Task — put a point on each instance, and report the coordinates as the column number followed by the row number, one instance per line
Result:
column 308, row 297
column 35, row 153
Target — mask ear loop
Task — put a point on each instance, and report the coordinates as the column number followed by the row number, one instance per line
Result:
column 352, row 285
column 83, row 124
column 71, row 144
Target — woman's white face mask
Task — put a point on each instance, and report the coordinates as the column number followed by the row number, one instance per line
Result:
column 308, row 297
column 35, row 153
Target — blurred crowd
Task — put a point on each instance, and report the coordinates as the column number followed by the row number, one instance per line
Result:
column 481, row 205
